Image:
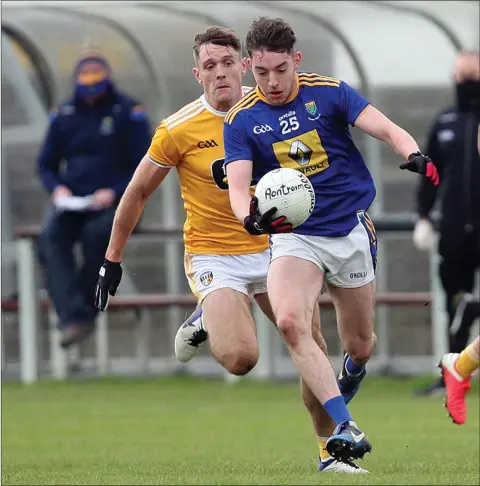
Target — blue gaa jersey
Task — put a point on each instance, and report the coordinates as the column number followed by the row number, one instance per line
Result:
column 310, row 133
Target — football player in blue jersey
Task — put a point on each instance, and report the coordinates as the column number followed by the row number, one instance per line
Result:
column 301, row 121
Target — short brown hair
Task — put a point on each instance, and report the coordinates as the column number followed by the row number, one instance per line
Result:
column 220, row 36
column 273, row 35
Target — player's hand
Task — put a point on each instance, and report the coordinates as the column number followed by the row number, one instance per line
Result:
column 421, row 164
column 110, row 275
column 257, row 224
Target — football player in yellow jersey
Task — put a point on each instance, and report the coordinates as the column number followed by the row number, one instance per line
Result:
column 223, row 263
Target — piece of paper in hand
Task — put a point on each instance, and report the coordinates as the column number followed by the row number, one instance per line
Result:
column 75, row 204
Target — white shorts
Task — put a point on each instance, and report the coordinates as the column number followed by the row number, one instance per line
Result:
column 244, row 273
column 347, row 261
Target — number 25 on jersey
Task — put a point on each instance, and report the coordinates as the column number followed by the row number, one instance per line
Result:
column 289, row 125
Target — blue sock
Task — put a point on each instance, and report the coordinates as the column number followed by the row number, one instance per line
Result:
column 338, row 411
column 353, row 368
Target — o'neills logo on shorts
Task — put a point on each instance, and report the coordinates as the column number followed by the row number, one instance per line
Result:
column 206, row 278
column 283, row 190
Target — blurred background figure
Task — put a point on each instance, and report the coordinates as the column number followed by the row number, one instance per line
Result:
column 454, row 146
column 93, row 144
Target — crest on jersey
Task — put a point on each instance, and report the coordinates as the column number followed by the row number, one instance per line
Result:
column 206, row 278
column 311, row 107
column 106, row 126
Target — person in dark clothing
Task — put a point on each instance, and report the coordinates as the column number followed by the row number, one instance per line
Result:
column 92, row 147
column 454, row 146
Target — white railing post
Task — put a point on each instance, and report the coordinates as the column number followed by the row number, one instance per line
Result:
column 29, row 312
column 101, row 343
column 173, row 254
column 58, row 356
column 4, row 355
column 438, row 312
column 142, row 341
column 382, row 313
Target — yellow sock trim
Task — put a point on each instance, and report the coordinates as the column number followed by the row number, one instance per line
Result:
column 324, row 455
column 468, row 361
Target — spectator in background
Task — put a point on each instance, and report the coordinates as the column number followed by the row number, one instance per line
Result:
column 93, row 145
column 453, row 146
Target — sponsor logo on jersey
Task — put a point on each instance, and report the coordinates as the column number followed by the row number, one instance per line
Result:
column 300, row 152
column 258, row 129
column 203, row 144
column 206, row 278
column 287, row 115
column 303, row 152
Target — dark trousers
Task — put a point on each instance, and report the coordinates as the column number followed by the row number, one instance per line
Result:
column 71, row 284
column 460, row 260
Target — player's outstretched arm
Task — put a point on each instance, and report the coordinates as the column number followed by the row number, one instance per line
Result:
column 145, row 180
column 147, row 177
column 376, row 124
column 239, row 176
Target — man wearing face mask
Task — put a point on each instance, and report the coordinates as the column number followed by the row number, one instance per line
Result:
column 454, row 146
column 93, row 145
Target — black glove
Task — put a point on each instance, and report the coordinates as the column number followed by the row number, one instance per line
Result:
column 421, row 164
column 109, row 278
column 257, row 224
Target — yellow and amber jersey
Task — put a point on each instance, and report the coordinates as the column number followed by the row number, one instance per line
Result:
column 192, row 141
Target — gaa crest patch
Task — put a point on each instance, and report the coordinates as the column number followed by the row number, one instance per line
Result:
column 311, row 107
column 206, row 278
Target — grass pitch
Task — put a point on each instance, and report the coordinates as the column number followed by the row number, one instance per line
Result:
column 192, row 431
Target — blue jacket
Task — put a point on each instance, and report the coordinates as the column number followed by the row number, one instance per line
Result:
column 89, row 148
